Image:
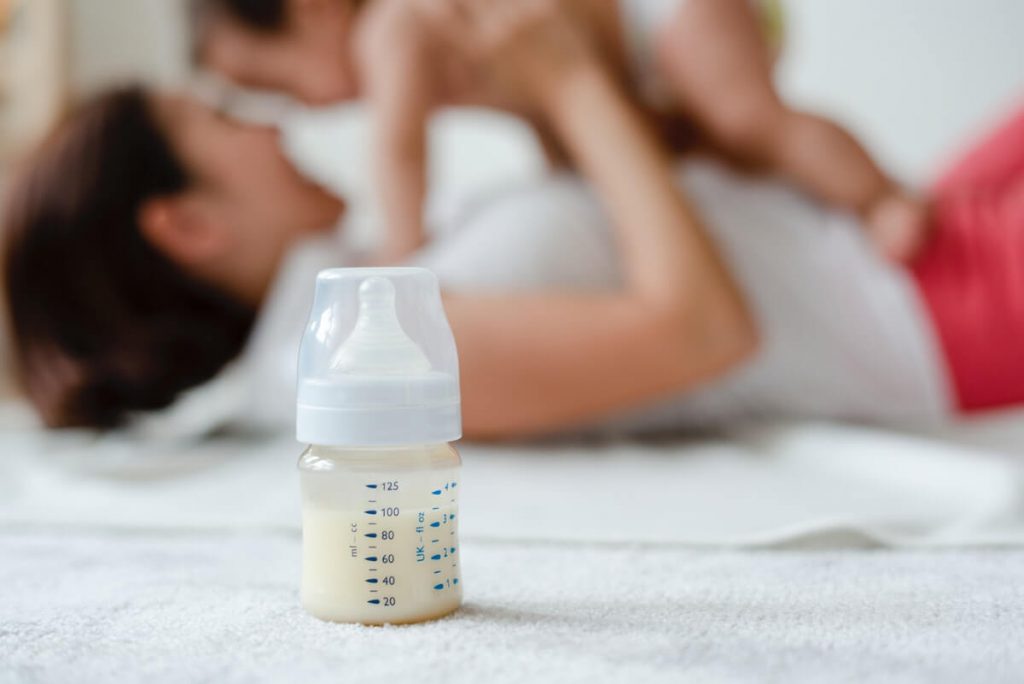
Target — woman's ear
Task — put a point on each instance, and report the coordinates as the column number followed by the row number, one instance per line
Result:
column 180, row 229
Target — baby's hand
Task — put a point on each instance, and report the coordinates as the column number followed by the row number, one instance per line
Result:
column 898, row 226
column 526, row 45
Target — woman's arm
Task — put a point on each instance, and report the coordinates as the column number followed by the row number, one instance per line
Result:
column 400, row 89
column 536, row 363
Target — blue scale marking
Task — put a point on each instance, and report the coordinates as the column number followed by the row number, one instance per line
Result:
column 371, row 486
column 374, row 601
column 370, row 512
column 371, row 535
column 435, row 524
column 438, row 586
column 371, row 559
column 436, row 556
column 372, row 580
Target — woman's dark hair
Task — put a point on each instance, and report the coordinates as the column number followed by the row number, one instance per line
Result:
column 104, row 324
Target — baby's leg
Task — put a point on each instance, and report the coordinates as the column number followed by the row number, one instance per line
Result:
column 719, row 65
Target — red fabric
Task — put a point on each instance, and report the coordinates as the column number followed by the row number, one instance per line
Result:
column 972, row 273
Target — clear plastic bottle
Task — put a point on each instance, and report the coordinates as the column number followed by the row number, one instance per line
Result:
column 380, row 482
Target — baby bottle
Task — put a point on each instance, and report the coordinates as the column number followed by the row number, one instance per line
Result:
column 378, row 401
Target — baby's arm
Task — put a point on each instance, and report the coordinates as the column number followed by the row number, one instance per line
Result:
column 400, row 89
column 719, row 65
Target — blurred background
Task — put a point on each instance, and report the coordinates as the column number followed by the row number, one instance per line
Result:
column 913, row 78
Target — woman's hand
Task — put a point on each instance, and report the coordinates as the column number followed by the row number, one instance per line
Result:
column 899, row 227
column 527, row 46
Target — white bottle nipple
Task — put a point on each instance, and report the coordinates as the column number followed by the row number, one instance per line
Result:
column 378, row 345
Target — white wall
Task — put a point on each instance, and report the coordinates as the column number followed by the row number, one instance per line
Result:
column 33, row 70
column 913, row 77
column 118, row 40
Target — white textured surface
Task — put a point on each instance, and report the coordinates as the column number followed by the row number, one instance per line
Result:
column 169, row 608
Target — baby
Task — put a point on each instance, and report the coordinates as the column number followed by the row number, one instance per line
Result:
column 690, row 63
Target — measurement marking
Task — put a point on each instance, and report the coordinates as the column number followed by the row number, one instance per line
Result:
column 374, row 591
column 370, row 512
column 434, row 541
column 455, row 581
column 374, row 601
column 436, row 556
column 373, row 569
column 371, row 523
column 371, row 535
column 372, row 546
column 436, row 508
column 437, row 572
column 438, row 586
column 371, row 559
column 436, row 492
column 435, row 524
column 371, row 486
column 371, row 501
column 372, row 580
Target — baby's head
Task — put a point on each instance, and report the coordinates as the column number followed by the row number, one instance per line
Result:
column 138, row 243
column 300, row 47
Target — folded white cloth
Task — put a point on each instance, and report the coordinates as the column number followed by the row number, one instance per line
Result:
column 781, row 485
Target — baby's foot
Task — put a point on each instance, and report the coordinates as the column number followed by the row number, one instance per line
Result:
column 898, row 227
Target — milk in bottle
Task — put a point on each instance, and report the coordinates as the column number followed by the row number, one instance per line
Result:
column 379, row 404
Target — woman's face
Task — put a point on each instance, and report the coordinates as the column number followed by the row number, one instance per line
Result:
column 248, row 194
column 245, row 166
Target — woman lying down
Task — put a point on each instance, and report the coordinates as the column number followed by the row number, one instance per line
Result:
column 151, row 243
